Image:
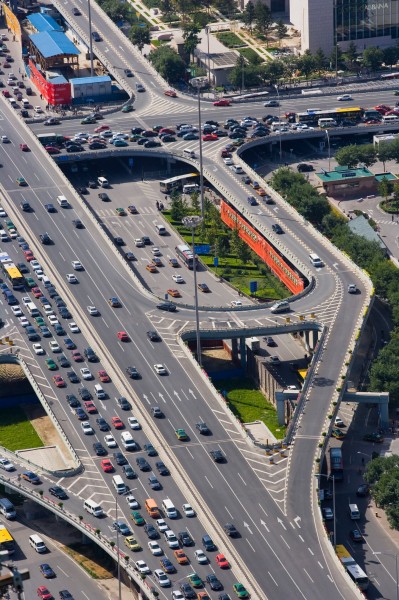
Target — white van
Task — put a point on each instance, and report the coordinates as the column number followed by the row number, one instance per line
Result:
column 237, row 169
column 93, row 508
column 37, row 543
column 390, row 119
column 3, row 235
column 354, row 512
column 32, row 309
column 7, row 509
column 315, row 260
column 99, row 392
column 119, row 484
column 160, row 229
column 169, row 508
column 128, row 441
column 13, row 102
column 103, row 182
column 189, row 153
column 191, row 188
column 25, row 103
column 62, row 201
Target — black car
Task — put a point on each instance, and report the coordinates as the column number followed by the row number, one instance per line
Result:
column 102, row 424
column 74, row 148
column 210, row 122
column 77, row 13
column 58, row 492
column 52, row 292
column 151, row 531
column 230, row 530
column 217, row 455
column 96, row 36
column 304, row 168
column 92, row 184
column 149, row 448
column 187, row 591
column 252, row 201
column 73, row 378
column 151, row 144
column 154, row 483
column 153, row 336
column 246, row 179
column 137, row 130
column 78, row 224
column 45, row 239
column 129, row 472
column 128, row 73
column 162, row 468
column 270, row 342
column 64, row 594
column 363, row 490
column 133, row 373
column 59, row 330
column 99, row 449
column 59, row 302
column 277, row 229
column 156, row 412
column 214, row 582
column 130, row 256
column 203, row 428
column 120, row 458
column 104, row 197
column 185, row 538
column 142, row 464
column 63, row 361
column 124, row 403
column 22, row 268
column 168, row 306
column 96, row 146
column 84, row 393
column 82, row 189
column 72, row 401
column 64, row 312
column 90, row 354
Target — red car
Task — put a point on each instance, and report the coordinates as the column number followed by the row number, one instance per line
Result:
column 44, row 594
column 52, row 150
column 209, row 137
column 6, row 94
column 117, row 423
column 222, row 102
column 170, row 93
column 222, row 562
column 104, row 377
column 90, row 406
column 37, row 292
column 123, row 336
column 76, row 355
column 24, row 147
column 101, row 128
column 59, row 382
column 167, row 130
column 107, row 465
column 29, row 255
column 382, row 108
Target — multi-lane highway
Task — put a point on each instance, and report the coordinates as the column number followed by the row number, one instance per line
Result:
column 272, row 526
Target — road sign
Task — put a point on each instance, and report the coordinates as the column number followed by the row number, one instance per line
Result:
column 202, row 249
column 130, row 162
column 253, row 287
column 216, row 262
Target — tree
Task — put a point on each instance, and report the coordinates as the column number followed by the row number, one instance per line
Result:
column 367, row 154
column 372, row 58
column 116, row 10
column 248, row 16
column 184, row 7
column 320, row 60
column 386, row 152
column 178, row 208
column 140, row 36
column 195, row 202
column 351, row 54
column 167, row 9
column 281, row 31
column 336, row 58
column 243, row 251
column 385, row 188
column 168, row 63
column 190, row 36
column 263, row 19
column 348, row 156
column 306, row 64
column 226, row 7
column 390, row 55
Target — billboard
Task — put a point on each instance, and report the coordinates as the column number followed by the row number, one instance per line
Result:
column 259, row 244
column 53, row 93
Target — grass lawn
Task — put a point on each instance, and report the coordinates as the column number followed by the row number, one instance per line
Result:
column 16, row 432
column 249, row 404
column 250, row 55
column 229, row 39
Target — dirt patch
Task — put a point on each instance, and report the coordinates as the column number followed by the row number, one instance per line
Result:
column 92, row 559
column 12, row 380
column 42, row 424
column 217, row 359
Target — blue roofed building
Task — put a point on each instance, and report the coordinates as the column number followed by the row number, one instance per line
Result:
column 42, row 22
column 53, row 49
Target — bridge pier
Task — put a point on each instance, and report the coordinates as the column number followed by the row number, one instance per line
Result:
column 243, row 353
column 234, row 349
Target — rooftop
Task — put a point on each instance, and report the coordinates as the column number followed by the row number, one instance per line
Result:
column 43, row 22
column 88, row 80
column 388, row 176
column 53, row 43
column 360, row 226
column 343, row 173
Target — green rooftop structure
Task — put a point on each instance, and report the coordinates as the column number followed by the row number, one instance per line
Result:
column 344, row 182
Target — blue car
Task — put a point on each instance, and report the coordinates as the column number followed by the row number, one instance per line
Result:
column 46, row 571
column 69, row 343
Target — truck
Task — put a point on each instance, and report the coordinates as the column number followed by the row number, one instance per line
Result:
column 336, row 464
column 253, row 343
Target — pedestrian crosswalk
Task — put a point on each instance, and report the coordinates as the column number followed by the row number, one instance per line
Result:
column 163, row 106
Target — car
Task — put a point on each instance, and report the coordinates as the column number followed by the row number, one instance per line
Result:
column 117, row 423
column 181, row 434
column 187, row 591
column 37, row 349
column 151, row 268
column 43, row 593
column 155, row 548
column 162, row 468
column 129, row 472
column 90, row 354
column 168, row 306
column 92, row 310
column 222, row 561
column 120, row 458
column 240, row 590
column 123, row 336
column 203, row 288
column 50, row 364
column 231, row 530
column 209, row 137
column 102, row 424
column 64, row 594
column 181, row 557
column 110, row 441
column 177, row 278
column 141, row 567
column 6, row 465
column 77, row 223
column 134, row 423
column 71, row 278
column 142, row 464
column 45, row 239
column 352, row 289
column 77, row 265
column 328, row 514
column 202, row 428
column 103, row 376
column 114, row 302
column 170, row 93
column 137, row 518
column 104, row 197
column 149, row 448
column 201, row 557
column 76, row 356
column 275, row 360
column 73, row 378
column 344, row 97
column 167, row 566
column 87, row 428
column 222, row 102
column 195, row 580
column 185, row 538
column 356, row 536
column 107, row 465
column 163, row 580
column 132, row 543
column 277, row 229
column 31, row 477
column 160, row 369
column 304, row 168
column 174, row 293
column 73, row 327
column 121, row 527
column 58, row 381
column 271, row 103
column 58, row 492
column 362, row 491
column 133, row 373
column 90, row 407
column 23, row 321
column 124, row 403
column 217, row 455
column 214, row 582
column 338, row 433
column 80, row 413
column 99, row 449
column 375, row 437
column 59, row 330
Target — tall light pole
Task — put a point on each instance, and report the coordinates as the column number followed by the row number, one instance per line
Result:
column 334, row 521
column 329, row 150
column 118, row 550
column 90, row 40
column 192, row 222
column 207, row 31
column 200, row 82
column 397, row 570
column 279, row 129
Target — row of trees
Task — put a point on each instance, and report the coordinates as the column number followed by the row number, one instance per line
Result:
column 382, row 473
column 258, row 18
column 368, row 154
column 368, row 255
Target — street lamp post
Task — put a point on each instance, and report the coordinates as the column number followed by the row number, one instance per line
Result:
column 396, row 569
column 329, row 150
column 334, row 520
column 207, row 30
column 279, row 129
column 192, row 222
column 118, row 551
column 199, row 82
column 90, row 40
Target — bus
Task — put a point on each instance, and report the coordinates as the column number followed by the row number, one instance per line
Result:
column 326, row 123
column 7, row 542
column 338, row 114
column 352, row 568
column 390, row 76
column 185, row 254
column 50, row 139
column 336, row 464
column 175, row 183
column 12, row 273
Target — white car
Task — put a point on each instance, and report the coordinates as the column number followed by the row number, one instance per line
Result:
column 228, row 161
column 188, row 510
column 110, row 441
column 132, row 502
column 201, row 557
column 176, row 595
column 37, row 349
column 73, row 327
column 141, row 567
column 155, row 548
column 40, row 274
column 235, row 303
column 239, row 170
column 36, row 266
column 344, row 97
column 86, row 373
column 139, row 243
column 339, row 422
column 162, row 525
column 2, row 212
column 48, row 311
column 77, row 265
column 177, row 278
column 12, row 233
column 4, row 139
column 352, row 289
column 17, row 311
column 38, row 109
column 87, row 428
column 171, row 539
column 26, row 300
column 160, row 369
column 23, row 321
column 53, row 320
column 71, row 278
column 133, row 422
column 54, row 346
column 156, row 251
column 6, row 464
column 163, row 580
column 92, row 310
